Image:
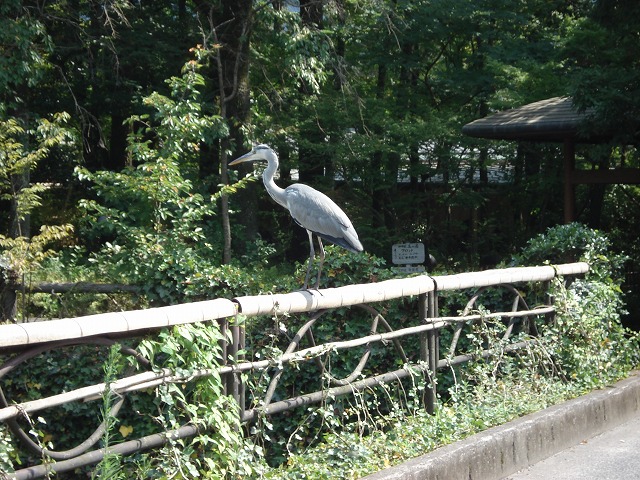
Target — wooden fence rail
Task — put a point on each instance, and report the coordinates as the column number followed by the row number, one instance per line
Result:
column 21, row 342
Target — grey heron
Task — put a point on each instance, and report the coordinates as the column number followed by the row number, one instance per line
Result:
column 311, row 209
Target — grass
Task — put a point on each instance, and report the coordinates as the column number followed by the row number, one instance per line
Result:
column 469, row 410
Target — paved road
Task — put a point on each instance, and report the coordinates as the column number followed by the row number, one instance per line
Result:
column 613, row 455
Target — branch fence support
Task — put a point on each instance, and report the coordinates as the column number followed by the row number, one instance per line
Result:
column 429, row 347
column 234, row 381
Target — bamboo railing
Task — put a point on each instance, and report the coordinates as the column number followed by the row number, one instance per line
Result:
column 21, row 342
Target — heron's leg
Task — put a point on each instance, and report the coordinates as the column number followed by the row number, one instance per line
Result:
column 321, row 262
column 312, row 254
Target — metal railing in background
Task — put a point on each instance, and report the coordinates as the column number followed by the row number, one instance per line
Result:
column 22, row 342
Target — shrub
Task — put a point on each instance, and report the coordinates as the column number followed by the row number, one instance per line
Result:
column 572, row 243
column 582, row 348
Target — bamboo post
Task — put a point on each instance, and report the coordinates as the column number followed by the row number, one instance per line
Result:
column 433, row 348
column 232, row 379
column 234, row 385
column 429, row 347
column 224, row 352
column 238, row 375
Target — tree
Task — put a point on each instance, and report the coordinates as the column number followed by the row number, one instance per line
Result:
column 153, row 212
column 357, row 97
column 227, row 28
column 605, row 70
column 106, row 57
column 25, row 140
column 19, row 250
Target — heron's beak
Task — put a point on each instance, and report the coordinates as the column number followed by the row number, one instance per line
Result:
column 247, row 157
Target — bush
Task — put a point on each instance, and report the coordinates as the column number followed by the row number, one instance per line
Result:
column 573, row 243
column 584, row 347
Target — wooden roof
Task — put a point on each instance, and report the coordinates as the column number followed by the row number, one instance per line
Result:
column 554, row 119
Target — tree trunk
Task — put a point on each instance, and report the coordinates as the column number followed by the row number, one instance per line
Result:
column 117, row 143
column 230, row 25
column 19, row 227
column 312, row 161
column 375, row 175
column 8, row 298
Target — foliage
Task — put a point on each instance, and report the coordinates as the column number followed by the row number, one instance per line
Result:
column 158, row 223
column 587, row 340
column 405, row 78
column 18, row 159
column 364, row 100
column 109, row 466
column 219, row 449
column 402, row 437
column 8, row 451
column 608, row 88
column 25, row 46
column 572, row 243
column 585, row 347
column 20, row 252
column 58, row 428
column 71, row 266
column 344, row 268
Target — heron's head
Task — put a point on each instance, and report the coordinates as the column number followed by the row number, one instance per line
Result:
column 259, row 152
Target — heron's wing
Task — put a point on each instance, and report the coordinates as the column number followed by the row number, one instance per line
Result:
column 319, row 214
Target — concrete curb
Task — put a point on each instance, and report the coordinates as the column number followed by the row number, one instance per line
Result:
column 506, row 449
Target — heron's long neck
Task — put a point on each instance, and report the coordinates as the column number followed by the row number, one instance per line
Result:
column 274, row 190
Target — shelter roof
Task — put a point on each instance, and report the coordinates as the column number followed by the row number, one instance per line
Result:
column 554, row 119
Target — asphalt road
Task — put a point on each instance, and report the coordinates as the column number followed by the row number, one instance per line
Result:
column 613, row 455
